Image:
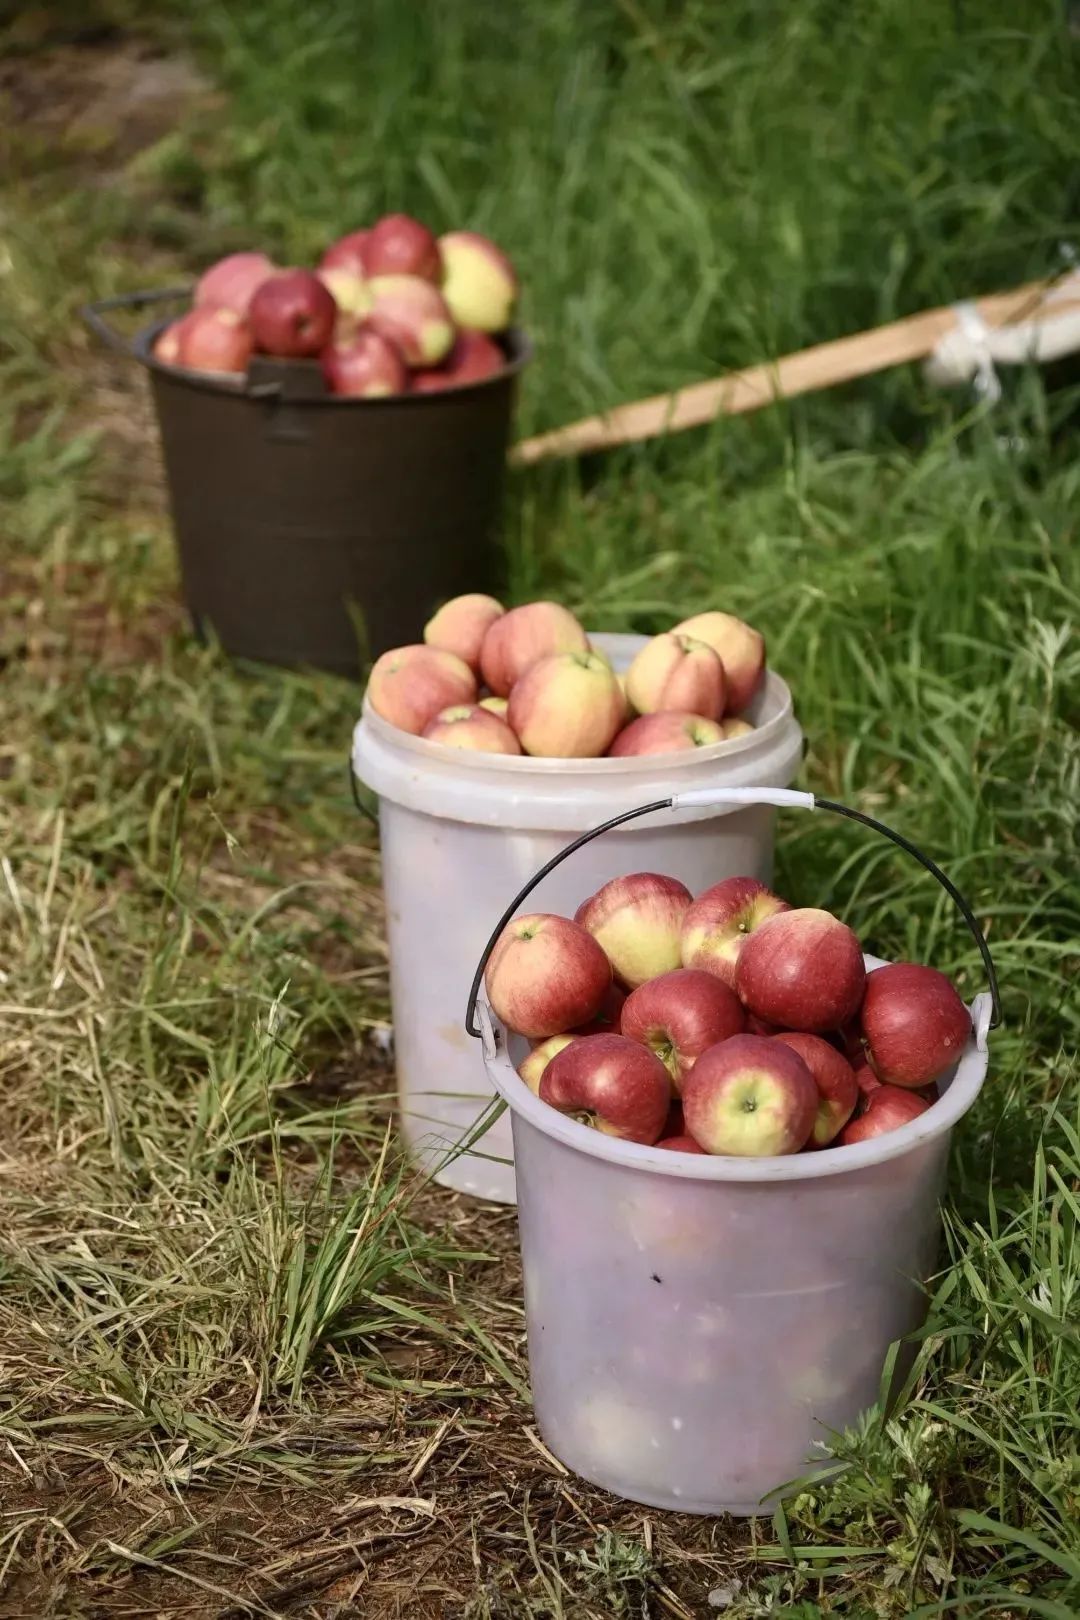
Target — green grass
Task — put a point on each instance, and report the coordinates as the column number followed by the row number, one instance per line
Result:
column 240, row 1348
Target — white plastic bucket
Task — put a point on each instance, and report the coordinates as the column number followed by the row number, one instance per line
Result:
column 462, row 831
column 698, row 1326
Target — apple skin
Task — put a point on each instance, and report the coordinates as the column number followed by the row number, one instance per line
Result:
column 887, row 1108
column 398, row 245
column 671, row 731
column 737, row 728
column 341, row 269
column 522, row 637
column 750, row 1096
column 546, row 976
column 677, row 672
column 622, row 1088
column 720, row 921
column 292, row 315
column 531, row 1069
column 479, row 282
column 467, row 725
column 740, row 648
column 232, row 282
column 566, row 706
column 166, row 346
column 608, row 1019
column 413, row 314
column 499, row 706
column 681, row 1014
column 636, row 920
column 803, row 970
column 347, row 254
column 473, row 357
column 914, row 1022
column 838, row 1091
column 680, row 1144
column 213, row 339
column 461, row 624
column 368, row 366
column 866, row 1081
column 408, row 686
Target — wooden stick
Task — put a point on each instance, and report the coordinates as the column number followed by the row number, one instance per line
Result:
column 804, row 372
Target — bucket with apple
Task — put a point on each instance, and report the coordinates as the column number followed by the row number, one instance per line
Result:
column 334, row 439
column 728, row 1193
column 476, row 791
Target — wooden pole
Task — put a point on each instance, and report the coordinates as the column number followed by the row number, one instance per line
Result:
column 823, row 366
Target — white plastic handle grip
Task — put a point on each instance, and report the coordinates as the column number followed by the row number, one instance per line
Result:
column 742, row 795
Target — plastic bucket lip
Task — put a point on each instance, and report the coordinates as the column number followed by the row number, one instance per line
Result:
column 218, row 382
column 940, row 1117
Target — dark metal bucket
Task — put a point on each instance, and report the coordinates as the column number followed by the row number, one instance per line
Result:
column 319, row 530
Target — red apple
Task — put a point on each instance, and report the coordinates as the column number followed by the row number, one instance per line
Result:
column 636, row 920
column 751, row 1097
column 413, row 314
column 467, row 725
column 347, row 254
column 865, row 1079
column 292, row 315
column 232, row 282
column 479, row 283
column 802, row 970
column 680, row 1144
column 398, row 245
column 619, row 1086
column 461, row 624
column 670, row 731
column 761, row 1026
column 740, row 648
column 566, row 706
column 366, row 367
column 677, row 672
column 609, row 1017
column 680, row 1015
column 914, row 1022
column 887, row 1108
column 408, row 686
column 522, row 637
column 213, row 339
column 720, row 921
column 546, row 976
column 166, row 346
column 341, row 270
column 531, row 1069
column 838, row 1091
column 473, row 357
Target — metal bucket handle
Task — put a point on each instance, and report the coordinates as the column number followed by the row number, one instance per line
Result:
column 700, row 797
column 95, row 315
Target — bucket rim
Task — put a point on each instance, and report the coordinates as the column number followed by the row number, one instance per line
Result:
column 964, row 1085
column 235, row 384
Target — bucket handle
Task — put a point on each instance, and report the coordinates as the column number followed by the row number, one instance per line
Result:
column 95, row 314
column 700, row 797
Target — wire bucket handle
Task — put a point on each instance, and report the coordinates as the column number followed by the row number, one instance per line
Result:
column 96, row 315
column 736, row 796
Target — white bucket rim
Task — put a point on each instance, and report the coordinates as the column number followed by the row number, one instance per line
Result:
column 963, row 1088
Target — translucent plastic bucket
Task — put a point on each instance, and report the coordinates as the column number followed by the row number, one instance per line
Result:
column 698, row 1326
column 461, row 832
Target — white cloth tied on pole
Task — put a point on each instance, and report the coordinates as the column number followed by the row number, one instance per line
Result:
column 973, row 350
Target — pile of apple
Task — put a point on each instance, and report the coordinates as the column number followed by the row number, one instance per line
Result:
column 730, row 1024
column 550, row 694
column 390, row 310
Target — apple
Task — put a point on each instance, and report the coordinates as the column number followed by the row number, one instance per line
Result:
column 801, row 969
column 616, row 1084
column 413, row 314
column 914, row 1022
column 609, row 1017
column 524, row 636
column 166, row 346
column 467, row 725
column 531, row 1069
column 887, row 1108
column 677, row 672
column 497, row 705
column 838, row 1091
column 740, row 648
column 232, row 282
column 736, row 728
column 681, row 1014
column 751, row 1097
column 636, row 919
column 546, row 975
column 670, row 731
column 479, row 282
column 408, row 686
column 680, row 1144
column 473, row 357
column 566, row 706
column 292, row 315
column 398, row 245
column 761, row 1026
column 346, row 255
column 341, row 270
column 212, row 338
column 461, row 624
column 721, row 920
column 367, row 366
